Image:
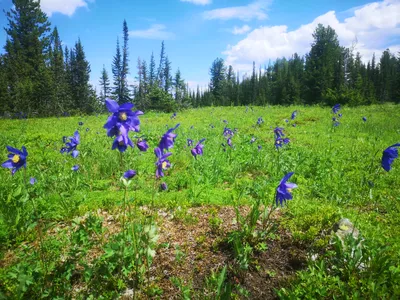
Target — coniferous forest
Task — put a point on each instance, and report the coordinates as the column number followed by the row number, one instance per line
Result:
column 40, row 77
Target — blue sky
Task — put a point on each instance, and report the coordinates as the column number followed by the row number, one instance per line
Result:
column 198, row 31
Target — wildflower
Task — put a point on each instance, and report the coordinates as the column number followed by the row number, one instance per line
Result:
column 259, row 147
column 71, row 145
column 189, row 142
column 64, row 139
column 294, row 114
column 75, row 168
column 16, row 159
column 122, row 116
column 229, row 142
column 283, row 192
column 253, row 139
column 364, row 119
column 168, row 139
column 279, row 142
column 340, row 115
column 80, row 123
column 211, row 125
column 294, row 125
column 228, row 132
column 225, row 121
column 286, row 120
column 173, row 115
column 336, row 124
column 164, row 186
column 130, row 174
column 87, row 129
column 122, row 142
column 162, row 163
column 278, row 132
column 336, row 108
column 142, row 145
column 32, row 181
column 198, row 149
column 260, row 121
column 389, row 154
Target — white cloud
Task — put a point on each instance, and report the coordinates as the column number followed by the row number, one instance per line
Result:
column 155, row 32
column 65, row 7
column 193, row 84
column 375, row 27
column 198, row 2
column 255, row 10
column 241, row 30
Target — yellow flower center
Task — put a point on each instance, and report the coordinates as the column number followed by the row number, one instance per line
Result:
column 164, row 164
column 289, row 190
column 15, row 158
column 123, row 116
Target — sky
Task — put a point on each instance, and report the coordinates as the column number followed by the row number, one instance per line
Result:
column 196, row 32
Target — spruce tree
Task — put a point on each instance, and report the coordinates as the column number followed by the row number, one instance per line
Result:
column 104, row 84
column 117, row 75
column 124, row 68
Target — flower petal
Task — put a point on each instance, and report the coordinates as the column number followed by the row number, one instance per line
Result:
column 112, row 106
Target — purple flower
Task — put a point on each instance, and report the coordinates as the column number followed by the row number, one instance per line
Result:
column 32, row 181
column 283, row 192
column 16, row 159
column 286, row 120
column 336, row 108
column 225, row 121
column 164, row 186
column 389, row 154
column 168, row 139
column 122, row 116
column 279, row 142
column 228, row 132
column 189, row 142
column 162, row 163
column 336, row 124
column 198, row 149
column 75, row 168
column 340, row 115
column 173, row 115
column 130, row 174
column 278, row 132
column 260, row 121
column 294, row 114
column 70, row 147
column 229, row 142
column 364, row 119
column 142, row 145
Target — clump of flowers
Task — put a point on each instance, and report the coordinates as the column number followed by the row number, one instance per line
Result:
column 70, row 147
column 16, row 159
column 198, row 149
column 260, row 121
column 335, row 110
column 122, row 120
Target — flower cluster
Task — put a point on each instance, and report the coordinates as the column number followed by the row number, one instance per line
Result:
column 70, row 147
column 198, row 149
column 122, row 120
column 280, row 138
column 335, row 110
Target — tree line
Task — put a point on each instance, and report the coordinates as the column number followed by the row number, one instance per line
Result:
column 38, row 76
column 328, row 74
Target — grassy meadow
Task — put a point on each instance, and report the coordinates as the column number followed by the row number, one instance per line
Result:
column 216, row 232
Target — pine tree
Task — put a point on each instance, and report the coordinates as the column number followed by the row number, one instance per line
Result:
column 160, row 71
column 117, row 75
column 104, row 84
column 26, row 53
column 167, row 75
column 81, row 90
column 124, row 68
column 217, row 82
column 152, row 71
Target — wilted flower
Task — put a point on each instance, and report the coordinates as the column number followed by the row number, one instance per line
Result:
column 168, row 139
column 71, row 145
column 364, row 119
column 294, row 114
column 162, row 163
column 75, row 168
column 16, row 159
column 130, row 174
column 279, row 142
column 164, row 186
column 283, row 192
column 278, row 132
column 336, row 108
column 198, row 150
column 142, row 145
column 32, row 181
column 122, row 116
column 389, row 154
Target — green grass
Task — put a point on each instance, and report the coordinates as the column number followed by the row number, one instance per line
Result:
column 332, row 166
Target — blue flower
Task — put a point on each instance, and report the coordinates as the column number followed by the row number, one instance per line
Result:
column 198, row 149
column 278, row 132
column 130, row 174
column 162, row 162
column 389, row 154
column 294, row 114
column 32, row 181
column 16, row 159
column 142, row 145
column 75, row 168
column 279, row 142
column 260, row 121
column 168, row 139
column 283, row 192
column 189, row 142
column 70, row 147
column 336, row 108
column 364, row 119
column 164, row 186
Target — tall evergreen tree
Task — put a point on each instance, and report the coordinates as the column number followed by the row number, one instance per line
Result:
column 124, row 67
column 104, row 84
column 117, row 75
column 26, row 53
column 160, row 70
column 217, row 82
column 152, row 71
column 167, row 75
